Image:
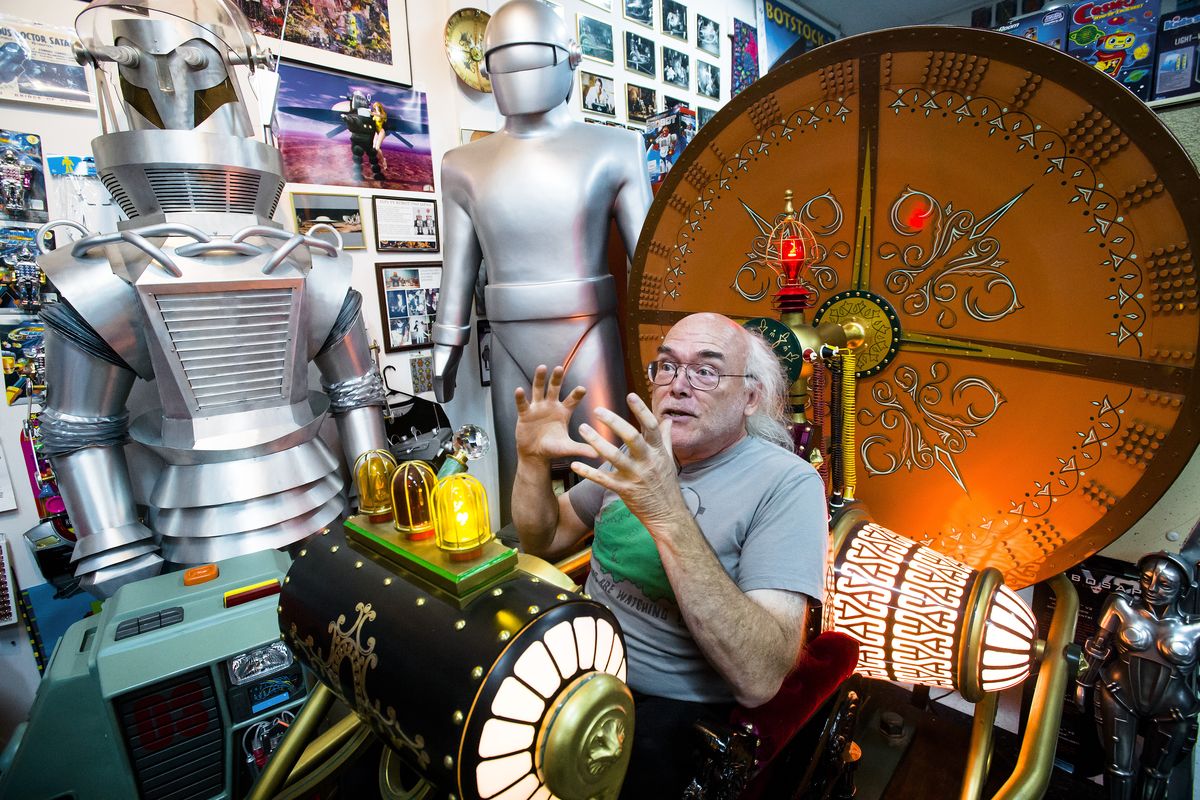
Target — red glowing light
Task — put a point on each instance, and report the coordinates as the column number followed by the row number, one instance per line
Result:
column 791, row 255
column 918, row 217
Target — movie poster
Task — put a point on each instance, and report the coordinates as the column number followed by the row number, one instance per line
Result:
column 38, row 66
column 349, row 131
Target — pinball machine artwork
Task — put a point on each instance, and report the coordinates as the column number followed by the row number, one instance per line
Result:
column 1013, row 231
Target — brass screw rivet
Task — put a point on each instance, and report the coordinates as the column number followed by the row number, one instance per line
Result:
column 420, row 601
column 458, row 626
column 562, row 596
column 477, row 673
column 325, row 531
column 497, row 592
column 387, row 581
column 287, row 578
column 278, row 609
column 534, row 610
column 535, row 580
column 458, row 718
column 448, row 762
column 504, row 636
column 303, row 553
column 358, row 565
column 333, row 549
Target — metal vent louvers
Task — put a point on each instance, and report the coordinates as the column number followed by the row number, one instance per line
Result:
column 232, row 346
column 172, row 730
column 119, row 195
column 204, row 190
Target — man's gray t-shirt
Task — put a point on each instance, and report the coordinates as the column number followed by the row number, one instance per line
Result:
column 762, row 510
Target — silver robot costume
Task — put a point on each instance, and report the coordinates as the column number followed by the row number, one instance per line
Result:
column 534, row 203
column 1142, row 661
column 201, row 292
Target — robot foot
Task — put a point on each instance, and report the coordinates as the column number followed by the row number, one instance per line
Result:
column 105, row 581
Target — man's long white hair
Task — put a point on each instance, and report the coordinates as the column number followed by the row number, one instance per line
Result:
column 771, row 421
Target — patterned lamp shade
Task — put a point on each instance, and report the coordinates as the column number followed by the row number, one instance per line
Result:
column 922, row 617
column 460, row 516
column 412, row 499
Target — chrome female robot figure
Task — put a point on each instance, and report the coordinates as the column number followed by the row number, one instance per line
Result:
column 201, row 292
column 534, row 202
column 1142, row 661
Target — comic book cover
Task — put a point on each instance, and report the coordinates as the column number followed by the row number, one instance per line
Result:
column 1117, row 38
column 666, row 135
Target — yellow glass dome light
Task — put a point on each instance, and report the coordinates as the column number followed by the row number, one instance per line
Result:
column 373, row 477
column 413, row 483
column 460, row 516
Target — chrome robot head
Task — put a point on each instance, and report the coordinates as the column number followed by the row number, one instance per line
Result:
column 530, row 57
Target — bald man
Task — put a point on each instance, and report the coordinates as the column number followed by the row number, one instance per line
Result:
column 710, row 533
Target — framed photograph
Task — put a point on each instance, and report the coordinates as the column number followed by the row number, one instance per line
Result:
column 368, row 38
column 605, row 4
column 708, row 80
column 640, row 102
column 639, row 55
column 408, row 298
column 1005, row 11
column 708, row 35
column 483, row 338
column 405, row 226
column 343, row 212
column 676, row 68
column 348, row 131
column 595, row 39
column 703, row 115
column 674, row 19
column 674, row 102
column 639, row 11
column 597, row 93
column 981, row 17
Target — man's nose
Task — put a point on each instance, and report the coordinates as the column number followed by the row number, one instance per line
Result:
column 679, row 383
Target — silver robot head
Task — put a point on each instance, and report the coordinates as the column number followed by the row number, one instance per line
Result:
column 530, row 57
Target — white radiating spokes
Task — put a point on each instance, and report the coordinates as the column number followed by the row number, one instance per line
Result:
column 1008, row 641
column 545, row 666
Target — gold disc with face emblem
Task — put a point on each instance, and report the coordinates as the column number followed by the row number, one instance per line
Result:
column 1015, row 232
column 464, row 47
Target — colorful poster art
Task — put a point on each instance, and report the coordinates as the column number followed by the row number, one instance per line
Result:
column 22, row 178
column 348, row 131
column 37, row 65
column 362, row 37
column 408, row 300
column 745, row 56
column 23, row 353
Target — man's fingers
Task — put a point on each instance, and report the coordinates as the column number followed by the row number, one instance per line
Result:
column 664, row 433
column 574, row 397
column 604, row 448
column 645, row 418
column 605, row 479
column 521, row 400
column 555, row 387
column 624, row 431
column 539, row 383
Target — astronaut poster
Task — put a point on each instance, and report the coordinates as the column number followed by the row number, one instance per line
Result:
column 22, row 178
column 349, row 131
column 37, row 65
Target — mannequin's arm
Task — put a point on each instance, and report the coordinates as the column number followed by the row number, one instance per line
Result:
column 353, row 384
column 634, row 198
column 460, row 268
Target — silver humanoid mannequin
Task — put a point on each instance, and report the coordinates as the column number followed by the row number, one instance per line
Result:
column 1142, row 662
column 534, row 202
column 202, row 293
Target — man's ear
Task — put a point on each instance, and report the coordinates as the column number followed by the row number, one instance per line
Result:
column 754, row 400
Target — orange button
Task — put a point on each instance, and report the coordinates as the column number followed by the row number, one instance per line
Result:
column 201, row 574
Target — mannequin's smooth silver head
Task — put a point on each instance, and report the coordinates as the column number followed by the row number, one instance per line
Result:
column 530, row 57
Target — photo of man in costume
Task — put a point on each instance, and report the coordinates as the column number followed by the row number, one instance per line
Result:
column 708, row 568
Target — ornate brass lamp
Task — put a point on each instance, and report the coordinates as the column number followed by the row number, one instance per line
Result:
column 373, row 477
column 460, row 516
column 413, row 483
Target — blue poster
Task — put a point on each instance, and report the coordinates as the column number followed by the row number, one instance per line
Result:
column 782, row 23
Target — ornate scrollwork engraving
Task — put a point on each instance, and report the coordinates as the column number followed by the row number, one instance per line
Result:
column 960, row 258
column 926, row 432
column 824, row 216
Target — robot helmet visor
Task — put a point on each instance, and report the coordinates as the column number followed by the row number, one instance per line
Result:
column 523, row 57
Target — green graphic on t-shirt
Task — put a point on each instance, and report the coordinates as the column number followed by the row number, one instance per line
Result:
column 625, row 550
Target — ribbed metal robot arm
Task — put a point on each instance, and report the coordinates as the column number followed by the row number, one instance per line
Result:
column 351, row 380
column 83, row 429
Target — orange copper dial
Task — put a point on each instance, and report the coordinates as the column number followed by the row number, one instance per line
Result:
column 1014, row 232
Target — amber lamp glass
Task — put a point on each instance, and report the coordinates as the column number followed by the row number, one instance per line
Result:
column 922, row 617
column 413, row 483
column 373, row 477
column 460, row 516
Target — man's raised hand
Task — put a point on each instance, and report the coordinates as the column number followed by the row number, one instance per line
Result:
column 542, row 419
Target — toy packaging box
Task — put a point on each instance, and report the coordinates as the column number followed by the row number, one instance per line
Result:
column 1048, row 27
column 1178, row 68
column 22, row 178
column 666, row 135
column 1117, row 38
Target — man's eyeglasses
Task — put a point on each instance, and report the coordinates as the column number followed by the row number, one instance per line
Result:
column 699, row 376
